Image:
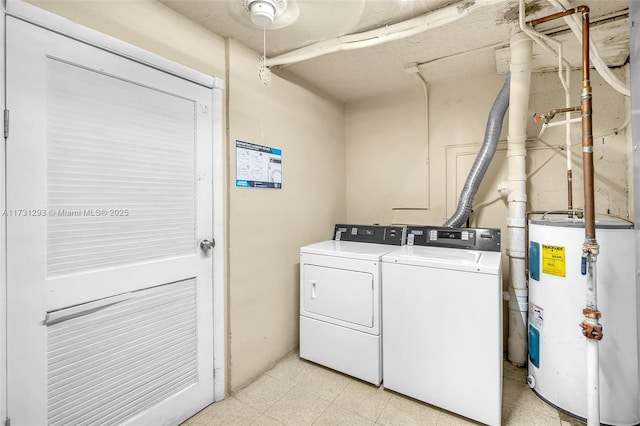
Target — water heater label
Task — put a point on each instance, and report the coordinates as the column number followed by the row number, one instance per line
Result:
column 536, row 316
column 553, row 260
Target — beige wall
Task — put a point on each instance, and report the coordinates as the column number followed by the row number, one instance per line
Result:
column 386, row 152
column 266, row 227
column 610, row 152
column 149, row 25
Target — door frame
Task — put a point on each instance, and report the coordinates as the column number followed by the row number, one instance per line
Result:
column 3, row 238
column 32, row 14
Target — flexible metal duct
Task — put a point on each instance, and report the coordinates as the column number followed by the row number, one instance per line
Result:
column 481, row 164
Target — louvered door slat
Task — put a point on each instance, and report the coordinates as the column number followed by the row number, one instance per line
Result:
column 101, row 362
column 63, row 355
column 108, row 292
column 121, row 147
column 72, row 383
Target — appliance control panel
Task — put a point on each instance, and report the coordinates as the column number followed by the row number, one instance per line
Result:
column 378, row 234
column 482, row 239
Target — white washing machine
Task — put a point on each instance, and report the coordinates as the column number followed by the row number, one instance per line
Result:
column 340, row 299
column 442, row 328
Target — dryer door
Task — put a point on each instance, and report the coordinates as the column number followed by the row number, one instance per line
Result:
column 339, row 296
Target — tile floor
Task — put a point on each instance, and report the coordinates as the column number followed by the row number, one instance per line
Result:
column 296, row 392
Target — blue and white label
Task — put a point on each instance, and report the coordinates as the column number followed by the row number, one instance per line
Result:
column 536, row 316
column 258, row 166
column 534, row 345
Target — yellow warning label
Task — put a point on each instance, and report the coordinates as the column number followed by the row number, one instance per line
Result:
column 553, row 260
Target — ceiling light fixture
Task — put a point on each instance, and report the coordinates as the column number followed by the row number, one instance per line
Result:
column 264, row 12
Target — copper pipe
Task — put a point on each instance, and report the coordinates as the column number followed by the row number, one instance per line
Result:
column 556, row 16
column 587, row 127
column 587, row 131
column 553, row 112
column 548, row 116
column 570, row 190
column 592, row 329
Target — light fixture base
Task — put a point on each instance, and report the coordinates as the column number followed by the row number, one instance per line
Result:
column 264, row 12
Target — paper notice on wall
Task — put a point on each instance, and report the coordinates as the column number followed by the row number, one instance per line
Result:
column 258, row 166
column 553, row 260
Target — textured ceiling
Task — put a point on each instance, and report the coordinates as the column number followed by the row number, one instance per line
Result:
column 476, row 43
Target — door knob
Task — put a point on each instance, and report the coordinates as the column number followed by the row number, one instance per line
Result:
column 206, row 245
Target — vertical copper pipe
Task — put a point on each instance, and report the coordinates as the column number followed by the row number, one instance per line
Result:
column 587, row 134
column 587, row 125
column 591, row 327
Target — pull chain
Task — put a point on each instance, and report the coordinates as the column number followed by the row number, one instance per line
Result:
column 263, row 72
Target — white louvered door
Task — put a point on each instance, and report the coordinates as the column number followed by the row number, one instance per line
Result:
column 109, row 194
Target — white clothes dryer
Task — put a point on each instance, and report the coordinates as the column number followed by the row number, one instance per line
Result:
column 442, row 320
column 340, row 288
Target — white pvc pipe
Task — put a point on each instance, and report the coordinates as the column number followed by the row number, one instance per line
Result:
column 562, row 123
column 408, row 28
column 593, row 354
column 593, row 383
column 592, row 349
column 542, row 40
column 425, row 89
column 520, row 68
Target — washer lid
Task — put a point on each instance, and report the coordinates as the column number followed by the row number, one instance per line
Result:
column 350, row 249
column 446, row 258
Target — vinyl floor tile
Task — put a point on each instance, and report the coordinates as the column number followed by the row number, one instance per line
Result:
column 364, row 399
column 227, row 412
column 523, row 416
column 265, row 420
column 296, row 392
column 519, row 395
column 325, row 382
column 264, row 392
column 336, row 416
column 401, row 411
column 291, row 369
column 298, row 407
column 448, row 419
